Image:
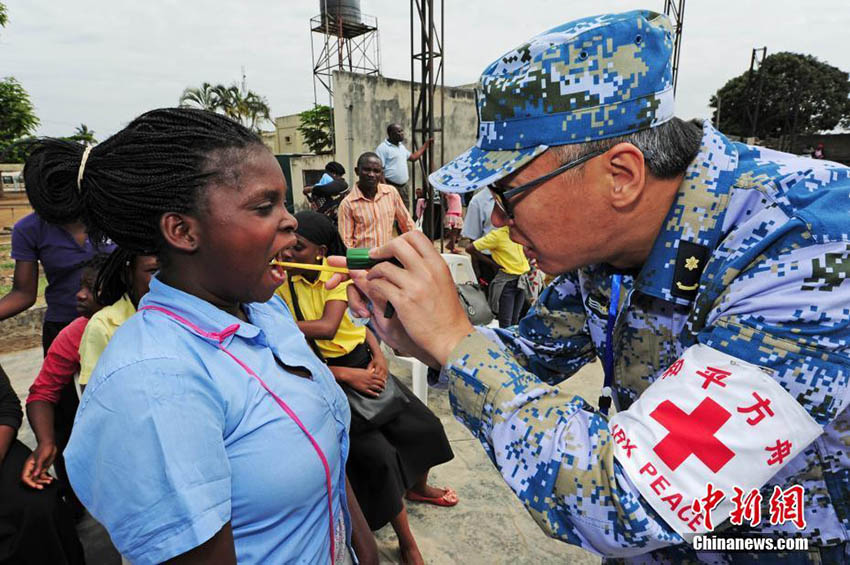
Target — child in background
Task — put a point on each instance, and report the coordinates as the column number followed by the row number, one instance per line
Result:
column 387, row 462
column 509, row 286
column 453, row 221
column 122, row 275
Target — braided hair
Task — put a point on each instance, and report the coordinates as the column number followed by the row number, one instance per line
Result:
column 113, row 277
column 161, row 162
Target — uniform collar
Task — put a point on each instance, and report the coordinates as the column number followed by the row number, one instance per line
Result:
column 696, row 215
column 356, row 194
column 199, row 312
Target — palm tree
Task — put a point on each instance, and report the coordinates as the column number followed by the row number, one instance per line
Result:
column 250, row 109
column 204, row 97
column 254, row 111
column 84, row 135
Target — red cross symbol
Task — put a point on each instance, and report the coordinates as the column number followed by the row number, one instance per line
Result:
column 779, row 452
column 713, row 376
column 692, row 433
column 761, row 404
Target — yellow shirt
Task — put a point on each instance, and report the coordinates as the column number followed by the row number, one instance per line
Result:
column 312, row 298
column 99, row 331
column 508, row 254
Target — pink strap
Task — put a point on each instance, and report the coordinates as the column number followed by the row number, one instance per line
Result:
column 219, row 337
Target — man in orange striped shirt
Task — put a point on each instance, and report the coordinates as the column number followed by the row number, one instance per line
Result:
column 366, row 215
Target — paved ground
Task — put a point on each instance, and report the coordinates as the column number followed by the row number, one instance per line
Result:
column 488, row 526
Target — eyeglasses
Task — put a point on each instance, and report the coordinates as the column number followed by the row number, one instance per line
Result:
column 502, row 197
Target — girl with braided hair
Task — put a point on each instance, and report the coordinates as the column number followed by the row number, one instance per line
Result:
column 209, row 431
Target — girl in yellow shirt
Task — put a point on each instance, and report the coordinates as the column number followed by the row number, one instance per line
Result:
column 385, row 463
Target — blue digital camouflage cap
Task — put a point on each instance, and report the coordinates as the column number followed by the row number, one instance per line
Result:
column 597, row 77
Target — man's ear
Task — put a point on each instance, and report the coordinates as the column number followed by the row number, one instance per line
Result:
column 180, row 231
column 627, row 170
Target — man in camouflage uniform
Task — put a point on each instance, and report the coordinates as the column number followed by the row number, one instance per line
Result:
column 709, row 276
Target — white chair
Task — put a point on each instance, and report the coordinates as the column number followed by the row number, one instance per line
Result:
column 460, row 267
column 462, row 272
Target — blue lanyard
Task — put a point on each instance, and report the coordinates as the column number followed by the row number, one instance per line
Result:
column 608, row 358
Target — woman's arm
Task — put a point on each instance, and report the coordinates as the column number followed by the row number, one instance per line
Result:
column 218, row 550
column 326, row 326
column 24, row 289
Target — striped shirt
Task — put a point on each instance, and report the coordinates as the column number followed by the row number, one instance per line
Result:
column 369, row 223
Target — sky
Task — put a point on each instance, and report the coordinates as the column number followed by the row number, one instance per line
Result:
column 103, row 62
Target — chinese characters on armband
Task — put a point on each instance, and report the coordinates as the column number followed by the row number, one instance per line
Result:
column 706, row 434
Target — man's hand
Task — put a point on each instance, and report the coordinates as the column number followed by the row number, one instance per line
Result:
column 429, row 320
column 35, row 473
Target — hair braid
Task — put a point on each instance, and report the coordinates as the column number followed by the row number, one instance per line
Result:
column 161, row 162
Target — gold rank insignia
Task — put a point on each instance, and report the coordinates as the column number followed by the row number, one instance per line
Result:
column 690, row 262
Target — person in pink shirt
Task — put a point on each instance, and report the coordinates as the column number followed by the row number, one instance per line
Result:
column 453, row 220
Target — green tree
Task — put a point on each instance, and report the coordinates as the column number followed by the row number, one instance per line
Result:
column 17, row 119
column 4, row 17
column 795, row 94
column 250, row 109
column 316, row 125
column 203, row 97
column 83, row 135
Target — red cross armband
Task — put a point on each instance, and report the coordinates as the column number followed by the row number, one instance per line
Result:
column 710, row 419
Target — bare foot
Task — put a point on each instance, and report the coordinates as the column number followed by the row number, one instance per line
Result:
column 411, row 556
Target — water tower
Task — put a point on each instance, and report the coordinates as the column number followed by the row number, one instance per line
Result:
column 345, row 40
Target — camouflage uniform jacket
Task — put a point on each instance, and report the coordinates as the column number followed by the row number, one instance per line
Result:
column 774, row 293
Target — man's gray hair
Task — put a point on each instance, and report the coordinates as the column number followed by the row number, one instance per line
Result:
column 667, row 149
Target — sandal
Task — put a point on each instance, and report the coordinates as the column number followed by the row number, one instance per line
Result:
column 437, row 500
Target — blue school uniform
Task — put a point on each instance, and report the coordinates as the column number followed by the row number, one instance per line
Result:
column 173, row 438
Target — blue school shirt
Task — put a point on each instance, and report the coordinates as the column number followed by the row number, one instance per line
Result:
column 173, row 438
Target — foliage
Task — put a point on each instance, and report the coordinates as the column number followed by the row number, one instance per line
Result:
column 83, row 135
column 249, row 108
column 4, row 16
column 17, row 118
column 799, row 94
column 316, row 126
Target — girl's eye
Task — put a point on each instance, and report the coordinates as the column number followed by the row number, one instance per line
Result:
column 265, row 209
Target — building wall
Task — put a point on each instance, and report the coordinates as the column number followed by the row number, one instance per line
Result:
column 289, row 139
column 297, row 165
column 365, row 105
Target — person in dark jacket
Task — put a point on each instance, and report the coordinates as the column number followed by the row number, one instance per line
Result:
column 36, row 526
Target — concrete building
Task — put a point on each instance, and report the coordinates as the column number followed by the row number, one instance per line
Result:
column 363, row 106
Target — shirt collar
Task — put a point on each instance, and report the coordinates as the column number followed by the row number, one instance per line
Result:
column 197, row 311
column 696, row 215
column 356, row 194
column 120, row 311
column 323, row 277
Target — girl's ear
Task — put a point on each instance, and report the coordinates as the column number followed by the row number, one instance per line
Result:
column 180, row 231
column 323, row 251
